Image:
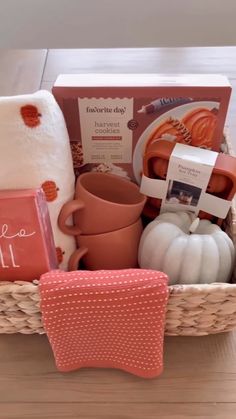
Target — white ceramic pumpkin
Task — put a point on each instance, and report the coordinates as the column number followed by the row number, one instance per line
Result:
column 187, row 249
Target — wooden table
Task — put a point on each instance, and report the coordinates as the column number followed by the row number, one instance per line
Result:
column 199, row 379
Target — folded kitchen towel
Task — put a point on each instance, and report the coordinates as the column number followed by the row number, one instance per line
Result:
column 35, row 152
column 110, row 319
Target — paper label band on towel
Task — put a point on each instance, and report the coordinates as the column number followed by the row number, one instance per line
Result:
column 106, row 130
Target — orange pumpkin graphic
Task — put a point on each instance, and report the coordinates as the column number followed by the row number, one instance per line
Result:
column 60, row 254
column 30, row 115
column 51, row 190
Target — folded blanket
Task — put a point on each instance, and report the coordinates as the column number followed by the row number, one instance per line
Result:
column 35, row 152
column 111, row 319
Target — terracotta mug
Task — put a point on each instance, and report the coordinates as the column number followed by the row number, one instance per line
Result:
column 103, row 203
column 114, row 250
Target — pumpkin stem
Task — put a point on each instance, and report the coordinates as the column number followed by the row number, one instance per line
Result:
column 194, row 225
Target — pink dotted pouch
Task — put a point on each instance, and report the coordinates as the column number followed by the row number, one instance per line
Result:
column 109, row 319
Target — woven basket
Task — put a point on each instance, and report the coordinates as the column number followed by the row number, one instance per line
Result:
column 192, row 310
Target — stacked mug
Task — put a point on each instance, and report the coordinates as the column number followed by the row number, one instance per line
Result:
column 107, row 225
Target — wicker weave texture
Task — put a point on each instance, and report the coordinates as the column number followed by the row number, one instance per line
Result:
column 192, row 309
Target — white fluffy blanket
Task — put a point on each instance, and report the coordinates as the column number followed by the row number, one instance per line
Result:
column 34, row 152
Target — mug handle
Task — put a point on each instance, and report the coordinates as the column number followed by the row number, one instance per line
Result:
column 67, row 210
column 76, row 257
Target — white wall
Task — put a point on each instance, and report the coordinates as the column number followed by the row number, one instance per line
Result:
column 116, row 23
